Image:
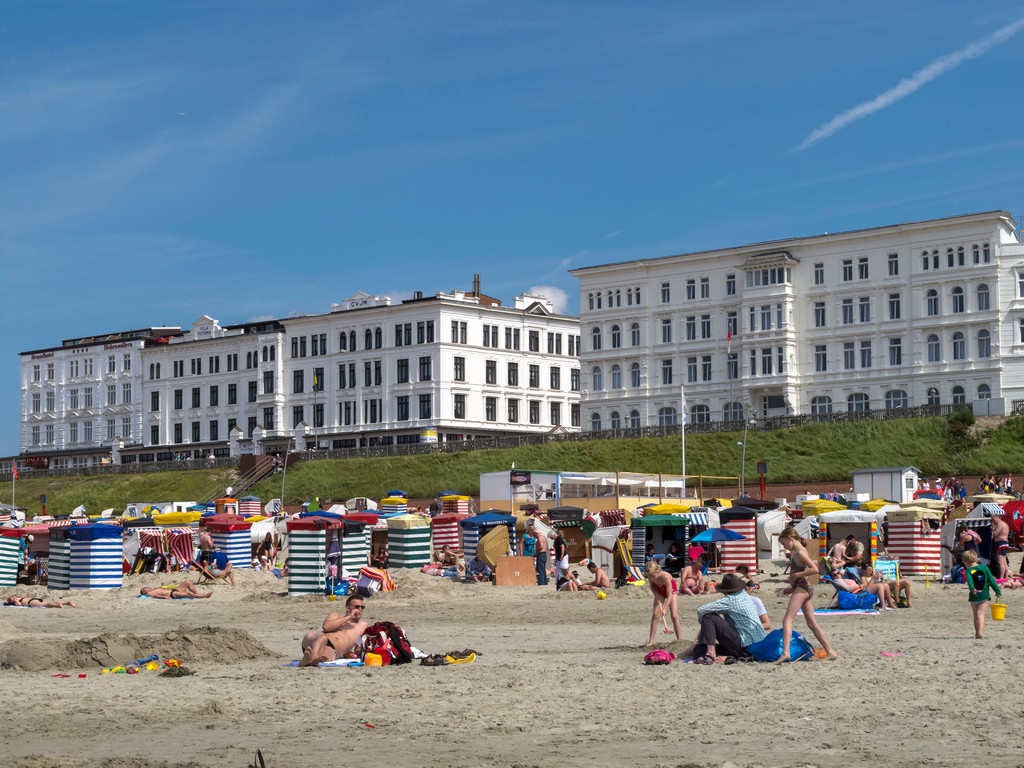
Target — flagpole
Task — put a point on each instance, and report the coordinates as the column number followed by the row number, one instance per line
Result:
column 682, row 433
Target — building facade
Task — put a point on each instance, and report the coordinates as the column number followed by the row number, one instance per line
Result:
column 923, row 313
column 453, row 366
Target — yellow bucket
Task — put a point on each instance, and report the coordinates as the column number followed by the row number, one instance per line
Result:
column 372, row 660
column 998, row 611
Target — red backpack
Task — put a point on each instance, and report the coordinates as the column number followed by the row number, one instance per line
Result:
column 389, row 642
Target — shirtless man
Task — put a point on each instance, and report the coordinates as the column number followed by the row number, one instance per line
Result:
column 180, row 592
column 600, row 581
column 1000, row 547
column 205, row 548
column 339, row 634
column 691, row 580
column 447, row 557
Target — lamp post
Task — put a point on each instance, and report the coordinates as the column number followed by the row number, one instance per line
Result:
column 743, row 455
column 284, row 472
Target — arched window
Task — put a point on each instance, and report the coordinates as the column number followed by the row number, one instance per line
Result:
column 273, row 354
column 895, row 398
column 821, row 405
column 984, row 392
column 934, row 350
column 931, row 300
column 595, row 339
column 949, row 257
column 152, row 370
column 616, row 337
column 618, row 298
column 933, row 396
column 634, row 334
column 158, row 370
column 733, row 412
column 857, row 402
column 975, row 254
column 666, row 417
column 959, row 348
column 343, row 342
column 983, row 298
column 595, row 422
column 378, row 339
column 634, row 419
column 352, row 341
column 960, row 256
column 596, row 380
column 959, row 398
column 984, row 343
column 616, row 420
column 958, row 300
column 700, row 414
column 634, row 375
column 590, row 300
column 368, row 339
column 616, row 377
column 266, row 354
column 248, row 359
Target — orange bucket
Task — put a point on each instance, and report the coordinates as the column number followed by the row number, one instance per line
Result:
column 373, row 660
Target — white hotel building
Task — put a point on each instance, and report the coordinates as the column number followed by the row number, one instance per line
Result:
column 453, row 366
column 917, row 314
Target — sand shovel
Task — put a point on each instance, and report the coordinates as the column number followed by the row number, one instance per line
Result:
column 664, row 621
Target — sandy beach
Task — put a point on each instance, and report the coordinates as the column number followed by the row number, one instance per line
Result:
column 559, row 680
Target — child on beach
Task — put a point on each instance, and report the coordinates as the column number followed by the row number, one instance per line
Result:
column 802, row 566
column 979, row 579
column 663, row 586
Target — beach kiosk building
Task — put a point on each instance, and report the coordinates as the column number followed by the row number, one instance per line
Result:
column 893, row 483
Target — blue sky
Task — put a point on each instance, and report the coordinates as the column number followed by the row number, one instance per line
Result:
column 164, row 160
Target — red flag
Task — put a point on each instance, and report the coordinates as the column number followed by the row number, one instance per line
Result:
column 728, row 343
column 14, row 469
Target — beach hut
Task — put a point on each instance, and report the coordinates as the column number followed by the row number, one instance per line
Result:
column 394, row 504
column 897, row 483
column 307, row 553
column 769, row 525
column 355, row 552
column 474, row 528
column 444, row 529
column 455, row 504
column 577, row 535
column 833, row 527
column 408, row 541
column 249, row 506
column 225, row 506
column 976, row 520
column 95, row 555
column 659, row 530
column 231, row 534
column 604, row 549
column 59, row 567
column 10, row 544
column 915, row 539
column 741, row 551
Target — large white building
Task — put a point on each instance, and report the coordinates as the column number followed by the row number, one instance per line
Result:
column 452, row 366
column 917, row 314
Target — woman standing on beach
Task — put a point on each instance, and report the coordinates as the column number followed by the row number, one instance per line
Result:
column 665, row 601
column 801, row 566
column 979, row 579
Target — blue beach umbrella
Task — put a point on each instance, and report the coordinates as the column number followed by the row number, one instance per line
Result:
column 715, row 535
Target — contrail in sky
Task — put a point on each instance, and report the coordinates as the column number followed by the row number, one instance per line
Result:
column 906, row 87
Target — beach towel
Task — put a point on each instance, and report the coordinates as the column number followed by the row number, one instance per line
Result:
column 337, row 663
column 841, row 612
column 173, row 599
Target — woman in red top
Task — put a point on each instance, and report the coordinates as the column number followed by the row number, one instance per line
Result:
column 664, row 588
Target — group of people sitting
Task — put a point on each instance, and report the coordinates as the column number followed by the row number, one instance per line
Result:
column 845, row 567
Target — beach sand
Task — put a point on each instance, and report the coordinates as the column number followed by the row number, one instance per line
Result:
column 559, row 680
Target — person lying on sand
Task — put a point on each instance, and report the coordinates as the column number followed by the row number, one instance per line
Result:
column 36, row 602
column 184, row 590
column 338, row 636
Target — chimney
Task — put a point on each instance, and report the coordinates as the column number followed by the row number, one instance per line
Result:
column 418, row 295
column 476, row 285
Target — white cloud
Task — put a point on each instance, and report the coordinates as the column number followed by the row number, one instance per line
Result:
column 559, row 298
column 909, row 85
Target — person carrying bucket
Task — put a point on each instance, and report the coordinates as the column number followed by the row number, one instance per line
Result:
column 979, row 580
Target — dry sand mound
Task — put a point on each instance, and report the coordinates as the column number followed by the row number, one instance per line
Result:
column 191, row 645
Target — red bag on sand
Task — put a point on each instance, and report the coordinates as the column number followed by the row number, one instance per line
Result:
column 659, row 656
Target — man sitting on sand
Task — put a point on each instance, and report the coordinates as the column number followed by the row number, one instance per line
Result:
column 36, row 602
column 478, row 570
column 728, row 625
column 339, row 635
column 184, row 590
column 600, row 581
column 447, row 557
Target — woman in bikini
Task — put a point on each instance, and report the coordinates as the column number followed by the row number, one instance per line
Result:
column 691, row 580
column 664, row 588
column 37, row 602
column 801, row 567
column 184, row 590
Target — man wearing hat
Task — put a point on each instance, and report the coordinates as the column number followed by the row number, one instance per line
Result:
column 727, row 625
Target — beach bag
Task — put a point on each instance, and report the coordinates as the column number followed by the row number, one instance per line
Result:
column 389, row 641
column 377, row 641
column 848, row 601
column 659, row 656
column 770, row 648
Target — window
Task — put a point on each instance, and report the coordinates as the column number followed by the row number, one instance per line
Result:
column 896, row 351
column 178, row 437
column 513, row 410
column 616, row 337
column 894, row 306
column 556, row 377
column 691, row 290
column 959, row 347
column 819, row 274
column 232, row 394
column 983, row 298
column 959, row 396
column 894, row 264
column 297, row 415
column 490, row 409
column 848, row 356
column 865, row 354
column 667, row 417
column 596, row 382
column 37, row 402
column 934, row 351
column 984, row 344
column 705, row 326
column 691, row 328
column 821, row 405
column 771, row 276
column 616, row 377
column 426, row 407
column 705, row 288
column 534, row 376
column 862, row 268
column 705, row 368
column 73, row 399
column 732, row 325
column 154, row 401
column 931, row 300
column 634, row 335
column 490, row 372
column 268, row 419
column 214, row 396
column 459, row 369
column 895, row 398
column 459, row 411
column 984, row 392
column 634, row 375
column 513, row 374
column 666, row 294
column 847, row 270
column 402, row 408
column 425, row 372
column 126, row 393
column 730, row 285
column 534, row 341
column 595, row 339
column 666, row 372
column 268, row 382
column 556, row 414
column 111, row 391
column 847, row 311
column 819, row 314
column 986, row 254
column 700, row 414
column 298, row 381
column 732, row 366
column 666, row 330
column 401, row 372
column 949, row 257
column 616, row 420
column 820, row 358
column 574, row 379
column 595, row 422
column 535, row 411
column 857, row 402
column 252, row 391
column 958, row 300
column 766, row 362
column 634, row 419
column 766, row 317
column 865, row 309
